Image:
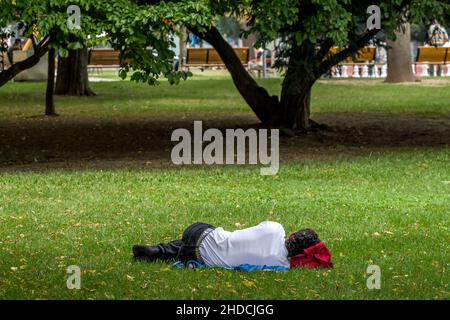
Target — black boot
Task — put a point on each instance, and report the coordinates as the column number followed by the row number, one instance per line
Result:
column 147, row 253
column 163, row 251
column 171, row 250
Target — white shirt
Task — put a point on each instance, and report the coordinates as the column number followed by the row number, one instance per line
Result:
column 259, row 245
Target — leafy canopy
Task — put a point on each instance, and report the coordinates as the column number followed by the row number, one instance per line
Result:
column 142, row 33
column 142, row 29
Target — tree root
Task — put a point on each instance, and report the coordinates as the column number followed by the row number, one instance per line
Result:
column 315, row 126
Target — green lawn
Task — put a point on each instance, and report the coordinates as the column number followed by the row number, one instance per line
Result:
column 214, row 93
column 390, row 210
column 387, row 207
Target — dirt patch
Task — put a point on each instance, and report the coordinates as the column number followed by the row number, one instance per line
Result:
column 67, row 143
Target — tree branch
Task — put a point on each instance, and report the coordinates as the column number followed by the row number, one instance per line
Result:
column 324, row 49
column 39, row 51
column 259, row 100
column 353, row 48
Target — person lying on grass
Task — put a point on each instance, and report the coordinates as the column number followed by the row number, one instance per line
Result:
column 263, row 245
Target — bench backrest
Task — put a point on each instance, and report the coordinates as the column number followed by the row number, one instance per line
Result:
column 439, row 55
column 197, row 56
column 363, row 55
column 104, row 57
column 209, row 56
column 243, row 54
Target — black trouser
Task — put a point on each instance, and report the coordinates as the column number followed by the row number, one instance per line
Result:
column 186, row 248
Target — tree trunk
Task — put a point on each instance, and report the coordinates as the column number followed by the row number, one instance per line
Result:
column 295, row 101
column 399, row 60
column 39, row 51
column 296, row 90
column 293, row 112
column 266, row 107
column 73, row 77
column 183, row 48
column 49, row 103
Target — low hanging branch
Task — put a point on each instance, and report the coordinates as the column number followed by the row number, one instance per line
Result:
column 263, row 105
column 40, row 49
column 353, row 48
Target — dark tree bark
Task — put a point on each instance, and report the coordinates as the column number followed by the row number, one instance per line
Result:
column 305, row 66
column 266, row 107
column 296, row 88
column 49, row 103
column 292, row 111
column 183, row 48
column 73, row 77
column 295, row 103
column 399, row 57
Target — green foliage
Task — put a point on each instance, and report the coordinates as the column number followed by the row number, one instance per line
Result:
column 142, row 29
column 49, row 17
column 422, row 11
column 305, row 21
column 320, row 23
column 228, row 26
column 142, row 33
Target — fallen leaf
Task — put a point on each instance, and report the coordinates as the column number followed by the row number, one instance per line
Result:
column 248, row 283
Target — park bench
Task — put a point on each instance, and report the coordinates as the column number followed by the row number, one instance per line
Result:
column 208, row 57
column 103, row 58
column 361, row 64
column 432, row 56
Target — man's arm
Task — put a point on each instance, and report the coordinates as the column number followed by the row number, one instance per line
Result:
column 445, row 35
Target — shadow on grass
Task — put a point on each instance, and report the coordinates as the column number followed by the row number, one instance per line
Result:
column 64, row 143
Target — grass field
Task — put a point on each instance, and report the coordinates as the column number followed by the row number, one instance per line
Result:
column 214, row 93
column 385, row 206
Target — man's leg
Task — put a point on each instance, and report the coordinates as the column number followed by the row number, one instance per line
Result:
column 183, row 249
column 163, row 251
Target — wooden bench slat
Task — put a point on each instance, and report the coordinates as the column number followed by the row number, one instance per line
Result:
column 204, row 57
column 214, row 58
column 104, row 57
column 433, row 55
column 197, row 56
column 363, row 55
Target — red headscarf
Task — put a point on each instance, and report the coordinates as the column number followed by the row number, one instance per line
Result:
column 315, row 256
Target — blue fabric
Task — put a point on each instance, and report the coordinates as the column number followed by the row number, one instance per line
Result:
column 250, row 268
column 190, row 264
column 193, row 264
